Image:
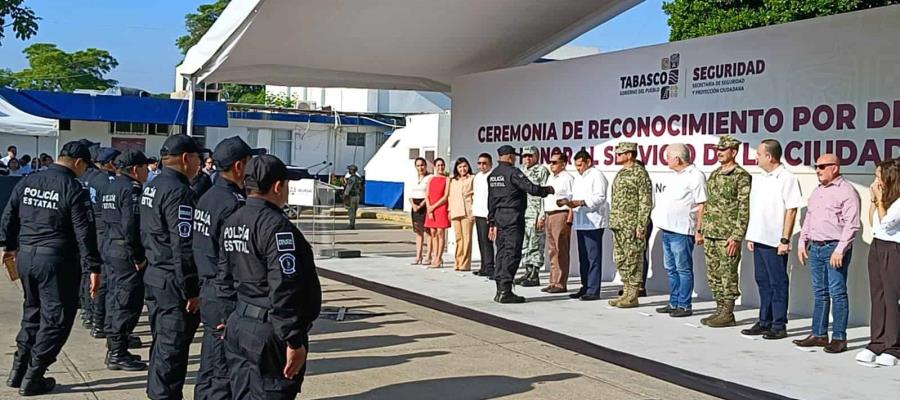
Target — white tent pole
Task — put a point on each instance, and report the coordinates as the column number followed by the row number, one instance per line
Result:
column 192, row 83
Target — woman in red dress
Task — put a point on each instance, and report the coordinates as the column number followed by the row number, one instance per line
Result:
column 437, row 219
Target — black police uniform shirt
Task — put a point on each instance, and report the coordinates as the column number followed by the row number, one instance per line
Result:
column 273, row 268
column 217, row 204
column 120, row 202
column 50, row 209
column 507, row 188
column 96, row 183
column 167, row 211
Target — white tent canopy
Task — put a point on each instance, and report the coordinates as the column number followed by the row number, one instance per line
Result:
column 16, row 122
column 385, row 44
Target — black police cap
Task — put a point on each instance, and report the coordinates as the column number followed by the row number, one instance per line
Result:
column 76, row 150
column 131, row 158
column 506, row 150
column 263, row 171
column 232, row 150
column 180, row 144
column 93, row 147
column 108, row 154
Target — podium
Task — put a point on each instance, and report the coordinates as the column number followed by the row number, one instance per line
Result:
column 311, row 207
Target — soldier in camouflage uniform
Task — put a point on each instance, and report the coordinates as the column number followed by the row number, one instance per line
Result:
column 724, row 223
column 629, row 217
column 533, row 246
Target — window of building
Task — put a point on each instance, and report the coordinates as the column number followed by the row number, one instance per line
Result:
column 413, row 154
column 65, row 125
column 128, row 128
column 160, row 129
column 282, row 142
column 356, row 139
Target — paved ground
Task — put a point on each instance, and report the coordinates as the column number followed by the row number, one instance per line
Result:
column 384, row 349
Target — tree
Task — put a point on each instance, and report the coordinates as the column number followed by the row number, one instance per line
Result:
column 53, row 69
column 23, row 21
column 695, row 18
column 6, row 77
column 198, row 23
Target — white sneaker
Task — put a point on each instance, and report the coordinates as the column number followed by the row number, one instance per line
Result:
column 866, row 356
column 886, row 360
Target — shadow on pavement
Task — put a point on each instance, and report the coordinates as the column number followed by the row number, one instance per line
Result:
column 369, row 342
column 469, row 387
column 348, row 364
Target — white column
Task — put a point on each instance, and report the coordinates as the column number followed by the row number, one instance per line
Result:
column 192, row 84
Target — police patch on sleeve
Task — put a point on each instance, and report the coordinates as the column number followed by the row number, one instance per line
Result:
column 184, row 229
column 185, row 213
column 285, row 241
column 288, row 264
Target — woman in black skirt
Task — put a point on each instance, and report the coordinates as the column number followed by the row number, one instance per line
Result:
column 417, row 194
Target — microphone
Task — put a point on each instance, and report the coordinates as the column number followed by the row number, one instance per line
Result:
column 323, row 167
column 313, row 165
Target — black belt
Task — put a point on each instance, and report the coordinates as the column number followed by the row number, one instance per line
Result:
column 823, row 242
column 52, row 251
column 248, row 310
column 556, row 212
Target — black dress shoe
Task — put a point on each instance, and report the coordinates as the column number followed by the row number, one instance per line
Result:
column 681, row 312
column 590, row 297
column 508, row 297
column 755, row 330
column 775, row 334
column 98, row 333
column 665, row 309
column 578, row 294
column 125, row 362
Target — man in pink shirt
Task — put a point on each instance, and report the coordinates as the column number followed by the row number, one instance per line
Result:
column 826, row 240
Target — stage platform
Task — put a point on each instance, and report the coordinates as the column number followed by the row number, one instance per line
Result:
column 719, row 362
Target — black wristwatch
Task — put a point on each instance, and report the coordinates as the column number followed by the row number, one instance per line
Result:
column 785, row 241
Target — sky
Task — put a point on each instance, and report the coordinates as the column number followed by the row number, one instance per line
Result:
column 141, row 34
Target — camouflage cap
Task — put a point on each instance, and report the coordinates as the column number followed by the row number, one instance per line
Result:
column 728, row 142
column 625, row 147
column 529, row 150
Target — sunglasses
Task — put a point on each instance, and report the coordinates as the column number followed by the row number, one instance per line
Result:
column 823, row 166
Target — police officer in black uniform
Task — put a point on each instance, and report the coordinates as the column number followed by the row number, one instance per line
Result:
column 96, row 184
column 278, row 291
column 124, row 258
column 507, row 190
column 87, row 314
column 217, row 300
column 170, row 280
column 48, row 218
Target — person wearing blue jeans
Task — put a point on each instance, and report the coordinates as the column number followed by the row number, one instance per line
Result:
column 678, row 251
column 826, row 240
column 830, row 291
column 678, row 206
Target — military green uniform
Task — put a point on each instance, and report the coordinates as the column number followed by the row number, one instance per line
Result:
column 533, row 245
column 725, row 216
column 631, row 205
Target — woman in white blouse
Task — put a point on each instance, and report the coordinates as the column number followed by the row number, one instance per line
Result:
column 884, row 267
column 417, row 194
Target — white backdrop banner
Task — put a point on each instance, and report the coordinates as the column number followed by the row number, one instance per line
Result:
column 822, row 85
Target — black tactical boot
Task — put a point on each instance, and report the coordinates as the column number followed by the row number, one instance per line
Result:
column 35, row 384
column 532, row 276
column 506, row 296
column 119, row 359
column 497, row 295
column 97, row 332
column 19, row 366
